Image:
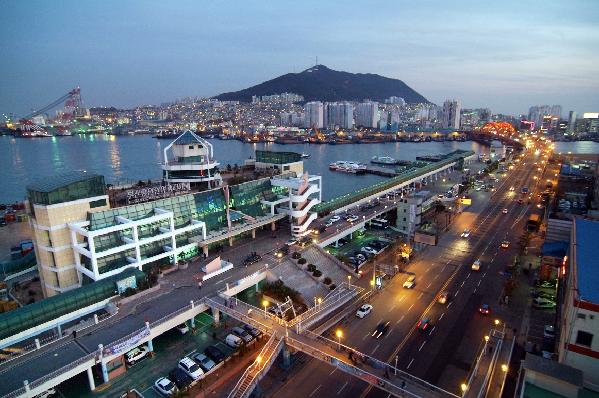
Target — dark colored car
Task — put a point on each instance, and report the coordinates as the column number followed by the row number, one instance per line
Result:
column 251, row 259
column 180, row 378
column 214, row 353
column 380, row 330
column 252, row 330
column 283, row 251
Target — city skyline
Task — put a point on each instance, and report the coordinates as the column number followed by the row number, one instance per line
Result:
column 134, row 55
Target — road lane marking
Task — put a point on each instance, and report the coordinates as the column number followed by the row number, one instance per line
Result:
column 436, row 276
column 401, row 299
column 342, row 387
column 420, row 296
column 316, row 389
column 400, row 319
column 391, row 308
column 422, row 346
column 432, row 330
column 455, row 295
column 474, row 290
column 478, row 284
column 376, row 348
column 429, row 285
column 410, row 307
column 410, row 364
column 442, row 315
column 485, row 274
column 334, row 370
column 449, row 305
column 462, row 283
column 366, row 336
column 468, row 276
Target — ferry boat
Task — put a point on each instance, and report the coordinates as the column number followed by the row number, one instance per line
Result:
column 305, row 155
column 384, row 160
column 348, row 167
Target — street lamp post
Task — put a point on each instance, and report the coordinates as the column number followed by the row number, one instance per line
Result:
column 319, row 302
column 349, row 281
column 339, row 334
column 265, row 304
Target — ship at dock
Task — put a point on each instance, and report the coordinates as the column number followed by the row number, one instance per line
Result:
column 348, row 167
column 387, row 160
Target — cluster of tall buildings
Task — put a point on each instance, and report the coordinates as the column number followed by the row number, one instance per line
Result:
column 286, row 98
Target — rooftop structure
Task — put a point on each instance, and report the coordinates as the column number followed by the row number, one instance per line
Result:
column 191, row 161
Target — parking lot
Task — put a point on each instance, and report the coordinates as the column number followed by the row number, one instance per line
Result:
column 169, row 348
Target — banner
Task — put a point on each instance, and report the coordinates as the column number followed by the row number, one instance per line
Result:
column 127, row 344
column 147, row 194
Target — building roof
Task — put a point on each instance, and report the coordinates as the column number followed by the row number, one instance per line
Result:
column 555, row 249
column 187, row 138
column 587, row 252
column 52, row 183
column 553, row 369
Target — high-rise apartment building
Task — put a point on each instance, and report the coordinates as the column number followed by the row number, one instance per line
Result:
column 389, row 120
column 339, row 115
column 537, row 113
column 367, row 114
column 451, row 114
column 314, row 114
column 395, row 101
column 571, row 122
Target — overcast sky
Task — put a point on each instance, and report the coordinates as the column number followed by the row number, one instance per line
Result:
column 505, row 55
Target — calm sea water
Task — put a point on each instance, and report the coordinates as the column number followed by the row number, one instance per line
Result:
column 131, row 158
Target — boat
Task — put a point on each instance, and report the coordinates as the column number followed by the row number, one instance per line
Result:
column 305, row 155
column 348, row 167
column 384, row 160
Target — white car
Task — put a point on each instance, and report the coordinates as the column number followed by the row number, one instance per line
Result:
column 353, row 218
column 476, row 265
column 466, row 233
column 191, row 368
column 410, row 282
column 136, row 354
column 368, row 250
column 335, row 218
column 182, row 328
column 291, row 242
column 504, row 211
column 165, row 387
column 364, row 310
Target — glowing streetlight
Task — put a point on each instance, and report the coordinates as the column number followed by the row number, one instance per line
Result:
column 486, row 338
column 464, row 387
column 319, row 302
column 504, row 367
column 349, row 280
column 265, row 304
column 339, row 334
column 497, row 322
column 259, row 360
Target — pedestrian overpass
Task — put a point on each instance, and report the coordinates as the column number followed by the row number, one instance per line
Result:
column 296, row 335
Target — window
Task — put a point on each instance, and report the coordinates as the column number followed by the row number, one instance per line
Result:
column 581, row 316
column 584, row 338
column 191, row 147
column 285, row 168
column 97, row 203
column 404, row 219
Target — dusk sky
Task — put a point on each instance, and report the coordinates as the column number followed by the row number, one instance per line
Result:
column 505, row 55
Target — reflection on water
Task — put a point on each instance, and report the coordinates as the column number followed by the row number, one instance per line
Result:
column 130, row 158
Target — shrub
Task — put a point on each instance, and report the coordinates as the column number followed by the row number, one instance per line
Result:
column 332, row 287
column 327, row 281
column 317, row 273
column 295, row 255
column 311, row 267
column 302, row 261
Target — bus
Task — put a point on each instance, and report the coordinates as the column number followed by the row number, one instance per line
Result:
column 379, row 223
column 533, row 223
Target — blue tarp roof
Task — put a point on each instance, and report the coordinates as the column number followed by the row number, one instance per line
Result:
column 555, row 249
column 587, row 255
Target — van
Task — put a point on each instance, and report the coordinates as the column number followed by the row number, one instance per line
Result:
column 233, row 341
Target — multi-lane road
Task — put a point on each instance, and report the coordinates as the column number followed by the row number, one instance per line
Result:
column 445, row 267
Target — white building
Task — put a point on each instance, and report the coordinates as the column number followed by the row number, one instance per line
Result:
column 389, row 120
column 367, row 114
column 395, row 101
column 339, row 115
column 291, row 119
column 537, row 113
column 190, row 159
column 579, row 328
column 314, row 114
column 451, row 114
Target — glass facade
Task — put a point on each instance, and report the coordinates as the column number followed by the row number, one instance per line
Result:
column 66, row 188
column 38, row 313
column 247, row 197
column 277, row 157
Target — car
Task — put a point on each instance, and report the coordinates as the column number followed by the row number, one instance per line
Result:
column 191, row 368
column 541, row 303
column 423, row 324
column 353, row 218
column 180, row 378
column 251, row 259
column 543, row 294
column 466, row 233
column 380, row 330
column 410, row 282
column 205, row 363
column 306, row 240
column 476, row 265
column 328, row 223
column 335, row 219
column 182, row 328
column 243, row 334
column 484, row 309
column 512, row 189
column 443, row 298
column 282, row 251
column 368, row 250
column 505, row 244
column 364, row 310
column 233, row 341
column 504, row 211
column 252, row 330
column 165, row 387
column 360, row 257
column 214, row 353
column 549, row 332
column 136, row 354
column 291, row 242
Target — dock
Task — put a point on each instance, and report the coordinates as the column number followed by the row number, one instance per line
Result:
column 381, row 171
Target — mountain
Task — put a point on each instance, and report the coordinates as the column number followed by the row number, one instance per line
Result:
column 320, row 83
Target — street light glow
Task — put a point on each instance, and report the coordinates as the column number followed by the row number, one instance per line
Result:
column 464, row 387
column 504, row 367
